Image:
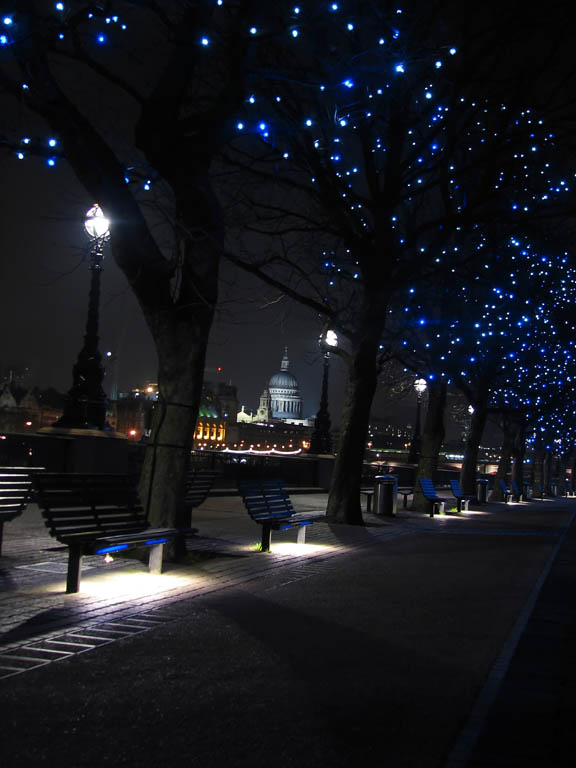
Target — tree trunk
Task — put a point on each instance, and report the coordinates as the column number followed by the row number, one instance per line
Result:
column 562, row 466
column 181, row 331
column 432, row 439
column 547, row 472
column 344, row 497
column 571, row 470
column 180, row 378
column 519, row 454
column 470, row 463
column 509, row 428
column 538, row 468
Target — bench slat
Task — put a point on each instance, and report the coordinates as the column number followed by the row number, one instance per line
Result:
column 87, row 512
column 268, row 503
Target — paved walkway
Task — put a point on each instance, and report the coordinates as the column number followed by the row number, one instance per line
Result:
column 409, row 642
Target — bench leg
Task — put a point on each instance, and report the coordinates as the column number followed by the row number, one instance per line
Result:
column 301, row 538
column 74, row 568
column 466, row 504
column 1, row 534
column 266, row 538
column 155, row 559
column 437, row 506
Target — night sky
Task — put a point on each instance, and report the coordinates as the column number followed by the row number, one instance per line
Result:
column 44, row 280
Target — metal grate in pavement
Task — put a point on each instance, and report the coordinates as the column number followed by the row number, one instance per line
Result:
column 36, row 654
column 51, row 567
column 65, row 644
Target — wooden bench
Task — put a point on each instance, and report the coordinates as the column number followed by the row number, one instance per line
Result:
column 369, row 493
column 517, row 494
column 461, row 499
column 429, row 492
column 15, row 489
column 199, row 483
column 97, row 514
column 268, row 503
column 405, row 492
column 506, row 492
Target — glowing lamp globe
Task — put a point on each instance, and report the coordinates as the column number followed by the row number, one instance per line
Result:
column 331, row 339
column 96, row 224
column 420, row 386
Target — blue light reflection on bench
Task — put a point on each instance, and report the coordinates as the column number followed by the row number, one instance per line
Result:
column 115, row 548
column 291, row 525
column 120, row 547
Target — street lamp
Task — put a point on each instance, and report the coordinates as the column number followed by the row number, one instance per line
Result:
column 321, row 439
column 86, row 402
column 414, row 454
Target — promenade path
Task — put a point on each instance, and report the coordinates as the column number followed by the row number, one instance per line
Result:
column 411, row 641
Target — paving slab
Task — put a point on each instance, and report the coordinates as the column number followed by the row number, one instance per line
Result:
column 370, row 646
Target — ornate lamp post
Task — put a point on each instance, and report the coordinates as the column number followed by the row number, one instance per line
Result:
column 86, row 401
column 321, row 440
column 415, row 445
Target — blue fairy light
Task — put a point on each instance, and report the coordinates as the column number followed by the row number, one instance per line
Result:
column 399, row 68
column 8, row 21
column 205, row 41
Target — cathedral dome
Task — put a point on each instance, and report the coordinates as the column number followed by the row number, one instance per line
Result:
column 285, row 398
column 283, row 380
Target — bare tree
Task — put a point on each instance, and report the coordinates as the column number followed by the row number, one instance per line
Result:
column 132, row 93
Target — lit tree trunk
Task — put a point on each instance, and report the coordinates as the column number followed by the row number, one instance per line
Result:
column 432, row 438
column 572, row 470
column 181, row 342
column 562, row 467
column 519, row 454
column 470, row 464
column 344, row 497
column 538, row 467
column 547, row 472
column 509, row 429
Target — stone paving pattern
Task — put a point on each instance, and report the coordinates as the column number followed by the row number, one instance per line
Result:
column 371, row 645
